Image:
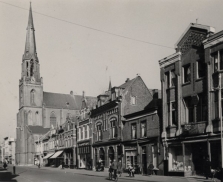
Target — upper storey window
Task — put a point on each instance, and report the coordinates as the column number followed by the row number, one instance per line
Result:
column 218, row 61
column 186, row 74
column 133, row 100
column 200, row 69
column 170, row 78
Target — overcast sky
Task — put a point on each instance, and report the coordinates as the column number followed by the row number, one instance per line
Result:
column 73, row 57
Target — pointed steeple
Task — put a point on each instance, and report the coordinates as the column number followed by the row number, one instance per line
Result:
column 30, row 47
column 110, row 86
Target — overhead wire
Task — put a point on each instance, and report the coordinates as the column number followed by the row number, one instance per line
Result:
column 91, row 28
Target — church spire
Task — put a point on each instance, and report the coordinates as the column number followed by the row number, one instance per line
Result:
column 110, row 86
column 30, row 47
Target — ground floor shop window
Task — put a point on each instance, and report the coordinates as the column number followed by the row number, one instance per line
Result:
column 131, row 158
column 176, row 158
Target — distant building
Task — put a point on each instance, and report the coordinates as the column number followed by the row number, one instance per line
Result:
column 38, row 110
column 191, row 101
column 8, row 150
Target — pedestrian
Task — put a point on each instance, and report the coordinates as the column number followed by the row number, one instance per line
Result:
column 119, row 167
column 5, row 165
column 110, row 170
column 114, row 167
column 207, row 167
column 131, row 170
column 39, row 164
column 150, row 168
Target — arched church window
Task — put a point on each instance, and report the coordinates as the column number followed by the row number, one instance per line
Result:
column 27, row 68
column 37, row 118
column 32, row 97
column 30, row 119
column 53, row 120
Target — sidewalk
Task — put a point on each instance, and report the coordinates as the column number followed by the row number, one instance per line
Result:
column 138, row 177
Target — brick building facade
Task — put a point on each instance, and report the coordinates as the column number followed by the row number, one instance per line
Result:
column 190, row 102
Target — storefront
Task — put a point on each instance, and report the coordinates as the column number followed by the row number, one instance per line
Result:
column 57, row 159
column 46, row 160
column 84, row 156
column 188, row 157
column 130, row 156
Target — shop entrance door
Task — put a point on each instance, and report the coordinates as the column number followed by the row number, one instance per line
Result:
column 144, row 160
column 199, row 153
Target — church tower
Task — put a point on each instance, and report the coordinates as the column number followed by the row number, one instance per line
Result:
column 30, row 98
column 31, row 86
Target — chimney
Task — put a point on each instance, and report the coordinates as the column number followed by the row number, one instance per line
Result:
column 71, row 93
column 155, row 93
column 126, row 80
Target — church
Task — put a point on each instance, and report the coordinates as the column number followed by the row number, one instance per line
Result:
column 38, row 110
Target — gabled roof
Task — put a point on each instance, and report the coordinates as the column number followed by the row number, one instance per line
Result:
column 127, row 83
column 38, row 129
column 197, row 26
column 57, row 100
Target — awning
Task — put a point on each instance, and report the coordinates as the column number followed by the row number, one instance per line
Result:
column 57, row 154
column 48, row 155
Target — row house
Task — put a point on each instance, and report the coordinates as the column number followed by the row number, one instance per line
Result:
column 191, row 101
column 108, row 118
column 84, row 134
column 59, row 144
column 141, row 137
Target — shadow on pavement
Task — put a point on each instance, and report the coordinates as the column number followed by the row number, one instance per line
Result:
column 7, row 175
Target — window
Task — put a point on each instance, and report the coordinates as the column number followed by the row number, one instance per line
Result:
column 173, row 78
column 133, row 100
column 88, row 131
column 32, row 97
column 218, row 61
column 53, row 120
column 113, row 132
column 143, row 129
column 37, row 118
column 82, row 132
column 133, row 131
column 189, row 110
column 173, row 110
column 186, row 74
column 200, row 69
column 99, row 132
column 201, row 109
column 85, row 127
column 168, row 79
column 79, row 133
column 215, row 58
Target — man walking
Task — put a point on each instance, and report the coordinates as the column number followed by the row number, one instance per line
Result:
column 207, row 167
column 114, row 167
column 119, row 167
